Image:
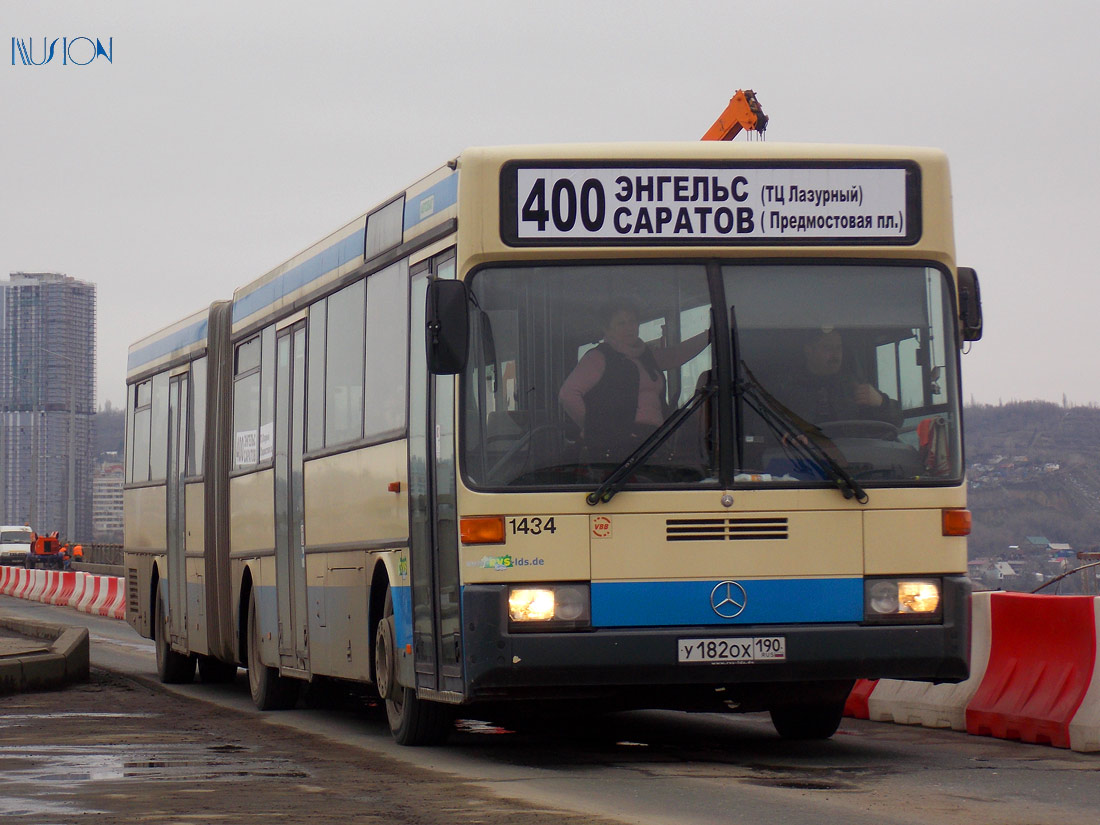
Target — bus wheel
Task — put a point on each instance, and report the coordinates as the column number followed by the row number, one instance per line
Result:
column 172, row 668
column 216, row 672
column 413, row 721
column 270, row 691
column 809, row 720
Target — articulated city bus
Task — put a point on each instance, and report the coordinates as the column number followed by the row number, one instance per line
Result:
column 560, row 427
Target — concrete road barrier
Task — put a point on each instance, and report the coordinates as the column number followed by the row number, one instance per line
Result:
column 63, row 658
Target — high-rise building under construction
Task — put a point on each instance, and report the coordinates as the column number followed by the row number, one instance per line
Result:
column 47, row 402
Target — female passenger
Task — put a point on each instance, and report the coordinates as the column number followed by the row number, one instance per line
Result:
column 616, row 393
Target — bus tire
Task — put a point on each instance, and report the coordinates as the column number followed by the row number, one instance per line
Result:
column 172, row 668
column 216, row 672
column 413, row 721
column 808, row 720
column 270, row 691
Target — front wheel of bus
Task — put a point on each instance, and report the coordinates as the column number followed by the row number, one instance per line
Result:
column 172, row 668
column 413, row 721
column 810, row 720
column 270, row 691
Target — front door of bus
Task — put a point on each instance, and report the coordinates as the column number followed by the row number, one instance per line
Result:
column 433, row 523
column 177, row 513
column 290, row 531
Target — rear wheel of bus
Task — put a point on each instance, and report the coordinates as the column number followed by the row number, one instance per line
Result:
column 413, row 721
column 270, row 691
column 172, row 667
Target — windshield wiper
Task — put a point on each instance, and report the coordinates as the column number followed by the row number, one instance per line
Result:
column 614, row 482
column 810, row 443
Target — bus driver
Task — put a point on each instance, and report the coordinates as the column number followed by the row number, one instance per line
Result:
column 822, row 389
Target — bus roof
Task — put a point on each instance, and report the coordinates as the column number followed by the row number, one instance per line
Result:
column 432, row 206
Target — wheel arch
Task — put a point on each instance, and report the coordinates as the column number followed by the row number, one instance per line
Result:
column 242, row 616
column 154, row 586
column 380, row 582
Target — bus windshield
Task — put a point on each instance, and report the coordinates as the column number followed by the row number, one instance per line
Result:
column 573, row 367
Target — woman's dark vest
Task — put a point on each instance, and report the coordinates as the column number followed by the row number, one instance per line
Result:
column 610, row 406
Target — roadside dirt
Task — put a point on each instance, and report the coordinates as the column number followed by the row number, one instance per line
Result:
column 114, row 750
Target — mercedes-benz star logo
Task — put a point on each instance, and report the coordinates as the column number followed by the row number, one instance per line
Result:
column 728, row 599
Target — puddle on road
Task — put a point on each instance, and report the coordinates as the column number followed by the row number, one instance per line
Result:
column 19, row 720
column 38, row 766
column 20, row 807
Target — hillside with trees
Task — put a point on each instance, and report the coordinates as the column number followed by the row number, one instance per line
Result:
column 1034, row 471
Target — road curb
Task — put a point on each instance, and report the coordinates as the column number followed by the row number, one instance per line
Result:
column 66, row 661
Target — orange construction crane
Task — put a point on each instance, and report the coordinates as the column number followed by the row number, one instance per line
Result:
column 742, row 113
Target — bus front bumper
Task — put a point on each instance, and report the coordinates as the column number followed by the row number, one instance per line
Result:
column 500, row 664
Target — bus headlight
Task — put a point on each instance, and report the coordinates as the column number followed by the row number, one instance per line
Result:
column 548, row 607
column 902, row 600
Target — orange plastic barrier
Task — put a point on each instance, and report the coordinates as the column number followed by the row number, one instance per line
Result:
column 856, row 706
column 1041, row 661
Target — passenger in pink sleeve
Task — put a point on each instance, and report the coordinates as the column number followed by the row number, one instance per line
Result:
column 616, row 394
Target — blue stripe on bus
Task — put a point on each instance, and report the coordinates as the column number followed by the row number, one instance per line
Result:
column 442, row 195
column 188, row 336
column 298, row 276
column 402, row 615
column 770, row 601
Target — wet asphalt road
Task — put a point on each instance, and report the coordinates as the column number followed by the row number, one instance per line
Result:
column 640, row 767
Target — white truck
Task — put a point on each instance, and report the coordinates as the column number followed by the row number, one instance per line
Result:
column 15, row 543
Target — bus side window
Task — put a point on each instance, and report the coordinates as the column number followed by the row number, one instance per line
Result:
column 141, row 400
column 246, row 403
column 386, row 383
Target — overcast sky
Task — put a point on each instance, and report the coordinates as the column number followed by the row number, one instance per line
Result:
column 229, row 134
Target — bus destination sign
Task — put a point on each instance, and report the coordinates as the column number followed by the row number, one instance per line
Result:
column 668, row 204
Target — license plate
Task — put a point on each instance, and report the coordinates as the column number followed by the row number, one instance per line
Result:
column 744, row 650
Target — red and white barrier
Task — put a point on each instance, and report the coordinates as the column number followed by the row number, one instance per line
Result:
column 1041, row 663
column 112, row 591
column 89, row 593
column 65, row 591
column 92, row 586
column 1035, row 675
column 78, row 590
column 38, row 584
column 1084, row 727
column 856, row 706
column 22, row 591
column 49, row 589
column 937, row 706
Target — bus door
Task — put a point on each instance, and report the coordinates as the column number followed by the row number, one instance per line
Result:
column 290, row 543
column 177, row 515
column 433, row 517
